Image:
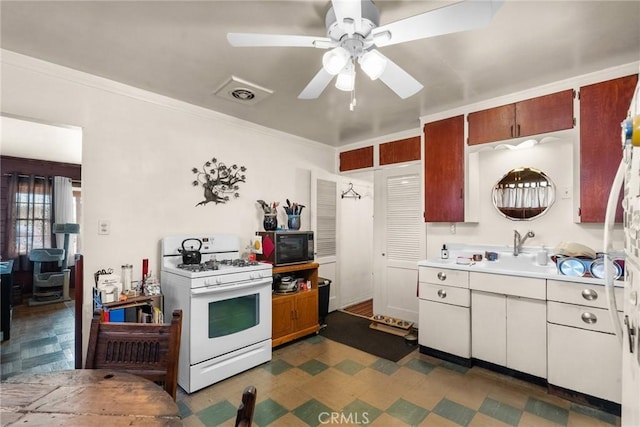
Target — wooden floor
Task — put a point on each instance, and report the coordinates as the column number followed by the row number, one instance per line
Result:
column 364, row 309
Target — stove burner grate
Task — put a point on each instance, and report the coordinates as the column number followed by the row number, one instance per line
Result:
column 215, row 265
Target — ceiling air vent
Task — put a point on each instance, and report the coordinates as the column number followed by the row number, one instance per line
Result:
column 241, row 91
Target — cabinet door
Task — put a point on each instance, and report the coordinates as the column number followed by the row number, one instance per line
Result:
column 306, row 309
column 282, row 322
column 445, row 327
column 444, row 170
column 527, row 336
column 544, row 114
column 494, row 124
column 585, row 361
column 489, row 327
column 603, row 106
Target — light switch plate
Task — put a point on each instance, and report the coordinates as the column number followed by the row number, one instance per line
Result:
column 104, row 226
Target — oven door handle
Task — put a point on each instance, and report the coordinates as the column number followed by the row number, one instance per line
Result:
column 229, row 287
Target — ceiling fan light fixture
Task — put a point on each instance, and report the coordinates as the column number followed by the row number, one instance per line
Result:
column 335, row 60
column 347, row 78
column 373, row 64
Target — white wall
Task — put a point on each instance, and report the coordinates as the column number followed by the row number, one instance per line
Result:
column 138, row 152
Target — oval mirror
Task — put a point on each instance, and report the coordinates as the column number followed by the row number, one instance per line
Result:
column 523, row 194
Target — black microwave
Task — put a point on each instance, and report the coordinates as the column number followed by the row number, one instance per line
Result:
column 286, row 247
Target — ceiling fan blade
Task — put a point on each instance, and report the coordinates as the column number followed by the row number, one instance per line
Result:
column 317, row 85
column 399, row 80
column 348, row 14
column 274, row 40
column 463, row 16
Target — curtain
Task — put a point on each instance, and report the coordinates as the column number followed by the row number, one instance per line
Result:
column 29, row 216
column 64, row 212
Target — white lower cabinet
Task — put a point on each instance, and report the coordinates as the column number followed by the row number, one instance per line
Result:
column 527, row 336
column 584, row 353
column 489, row 327
column 444, row 316
column 509, row 330
column 585, row 361
column 445, row 327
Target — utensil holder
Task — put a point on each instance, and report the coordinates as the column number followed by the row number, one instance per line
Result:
column 270, row 222
column 293, row 221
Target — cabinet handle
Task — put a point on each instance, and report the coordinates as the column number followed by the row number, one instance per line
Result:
column 518, row 134
column 511, row 131
column 442, row 276
column 589, row 295
column 631, row 333
column 589, row 318
column 442, row 293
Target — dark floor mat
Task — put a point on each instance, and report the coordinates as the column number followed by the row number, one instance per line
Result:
column 355, row 332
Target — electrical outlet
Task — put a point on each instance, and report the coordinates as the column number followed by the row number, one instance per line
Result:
column 566, row 193
column 452, row 229
column 104, row 226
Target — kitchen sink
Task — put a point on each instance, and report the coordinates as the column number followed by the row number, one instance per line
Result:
column 524, row 262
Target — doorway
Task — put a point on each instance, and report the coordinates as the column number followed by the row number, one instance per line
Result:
column 35, row 147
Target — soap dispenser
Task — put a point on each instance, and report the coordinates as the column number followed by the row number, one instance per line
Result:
column 444, row 252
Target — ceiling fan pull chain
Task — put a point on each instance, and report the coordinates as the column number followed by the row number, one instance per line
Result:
column 352, row 104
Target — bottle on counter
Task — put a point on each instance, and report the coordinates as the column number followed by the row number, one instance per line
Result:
column 444, row 252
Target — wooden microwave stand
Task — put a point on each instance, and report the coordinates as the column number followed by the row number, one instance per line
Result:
column 295, row 315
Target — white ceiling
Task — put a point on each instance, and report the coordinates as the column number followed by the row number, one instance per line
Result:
column 179, row 49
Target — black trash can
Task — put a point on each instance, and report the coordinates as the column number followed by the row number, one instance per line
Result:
column 324, row 286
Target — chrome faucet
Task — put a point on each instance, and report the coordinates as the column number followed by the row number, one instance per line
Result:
column 518, row 241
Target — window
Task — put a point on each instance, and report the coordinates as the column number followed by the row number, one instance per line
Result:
column 31, row 215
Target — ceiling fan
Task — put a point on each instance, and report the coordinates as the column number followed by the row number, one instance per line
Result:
column 354, row 35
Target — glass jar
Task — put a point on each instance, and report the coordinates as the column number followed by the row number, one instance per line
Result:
column 127, row 276
column 293, row 221
column 270, row 222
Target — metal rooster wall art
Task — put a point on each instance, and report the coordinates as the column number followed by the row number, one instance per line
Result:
column 219, row 181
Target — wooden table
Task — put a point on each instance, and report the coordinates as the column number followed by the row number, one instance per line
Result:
column 85, row 397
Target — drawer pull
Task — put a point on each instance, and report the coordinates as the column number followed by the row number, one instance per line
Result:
column 442, row 293
column 589, row 318
column 442, row 276
column 589, row 295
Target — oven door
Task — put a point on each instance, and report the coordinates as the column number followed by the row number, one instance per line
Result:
column 228, row 318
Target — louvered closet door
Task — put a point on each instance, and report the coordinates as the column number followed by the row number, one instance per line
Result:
column 324, row 214
column 398, row 222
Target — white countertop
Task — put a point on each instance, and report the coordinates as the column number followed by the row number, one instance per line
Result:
column 524, row 265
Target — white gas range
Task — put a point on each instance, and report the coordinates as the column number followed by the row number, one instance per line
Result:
column 226, row 307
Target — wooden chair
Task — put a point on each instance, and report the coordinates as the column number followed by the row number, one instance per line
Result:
column 149, row 350
column 245, row 410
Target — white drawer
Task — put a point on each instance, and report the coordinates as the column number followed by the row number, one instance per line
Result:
column 445, row 294
column 577, row 316
column 527, row 287
column 457, row 278
column 582, row 294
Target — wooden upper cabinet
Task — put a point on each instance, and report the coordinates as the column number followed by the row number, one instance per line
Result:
column 403, row 150
column 548, row 113
column 494, row 124
column 444, row 170
column 603, row 107
column 356, row 159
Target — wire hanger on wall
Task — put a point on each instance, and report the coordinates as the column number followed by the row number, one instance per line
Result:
column 350, row 193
